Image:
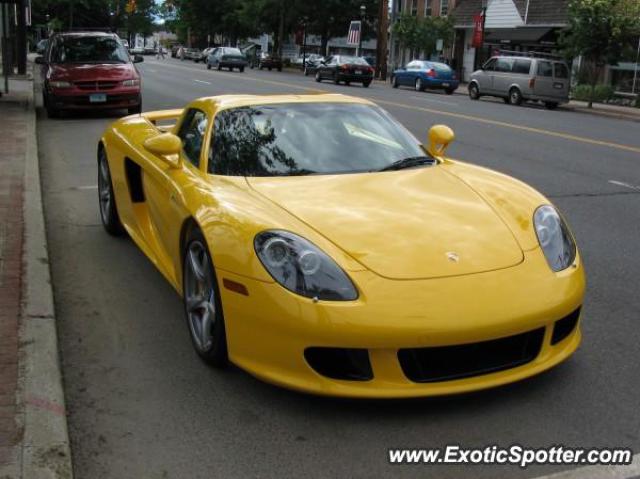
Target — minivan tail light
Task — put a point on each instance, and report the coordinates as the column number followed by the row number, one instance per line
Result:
column 532, row 82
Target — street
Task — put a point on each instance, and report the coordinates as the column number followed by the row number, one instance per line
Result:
column 142, row 405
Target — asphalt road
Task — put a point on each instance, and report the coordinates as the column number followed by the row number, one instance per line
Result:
column 141, row 404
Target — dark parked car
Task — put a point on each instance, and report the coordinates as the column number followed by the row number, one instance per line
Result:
column 269, row 61
column 89, row 70
column 226, row 57
column 347, row 69
column 422, row 74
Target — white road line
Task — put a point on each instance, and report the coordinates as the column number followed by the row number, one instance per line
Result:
column 600, row 472
column 202, row 81
column 87, row 187
column 448, row 103
column 151, row 70
column 626, row 185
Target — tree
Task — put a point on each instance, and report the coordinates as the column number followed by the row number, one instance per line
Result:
column 599, row 31
column 420, row 35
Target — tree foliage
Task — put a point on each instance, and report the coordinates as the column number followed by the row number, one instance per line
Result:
column 600, row 31
column 420, row 35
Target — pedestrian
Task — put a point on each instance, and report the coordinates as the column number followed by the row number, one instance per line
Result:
column 159, row 52
column 181, row 53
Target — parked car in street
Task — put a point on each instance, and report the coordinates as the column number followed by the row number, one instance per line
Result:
column 522, row 77
column 226, row 57
column 347, row 69
column 41, row 46
column 89, row 70
column 192, row 54
column 269, row 61
column 204, row 54
column 421, row 75
column 174, row 50
column 136, row 51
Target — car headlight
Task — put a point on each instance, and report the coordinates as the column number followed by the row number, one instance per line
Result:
column 302, row 267
column 133, row 82
column 60, row 84
column 554, row 238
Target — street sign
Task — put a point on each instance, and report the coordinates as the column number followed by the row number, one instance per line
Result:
column 439, row 44
column 478, row 30
column 353, row 37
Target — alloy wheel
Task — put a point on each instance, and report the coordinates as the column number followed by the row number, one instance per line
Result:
column 104, row 189
column 199, row 295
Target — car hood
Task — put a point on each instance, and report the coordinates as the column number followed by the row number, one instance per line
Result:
column 410, row 224
column 92, row 71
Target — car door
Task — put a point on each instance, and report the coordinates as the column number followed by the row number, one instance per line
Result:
column 561, row 81
column 544, row 79
column 165, row 186
column 485, row 76
column 410, row 73
column 326, row 70
column 502, row 76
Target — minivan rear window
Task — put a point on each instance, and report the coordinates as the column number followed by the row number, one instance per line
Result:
column 522, row 66
column 561, row 70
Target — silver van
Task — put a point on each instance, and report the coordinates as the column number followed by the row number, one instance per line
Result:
column 518, row 78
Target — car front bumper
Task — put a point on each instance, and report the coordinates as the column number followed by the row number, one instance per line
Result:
column 81, row 100
column 269, row 330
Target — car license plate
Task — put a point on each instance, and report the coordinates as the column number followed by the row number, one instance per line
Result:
column 358, row 72
column 445, row 84
column 98, row 98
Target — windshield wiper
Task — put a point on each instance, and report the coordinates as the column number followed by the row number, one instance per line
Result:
column 408, row 163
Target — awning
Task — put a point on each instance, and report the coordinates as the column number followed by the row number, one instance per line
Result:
column 516, row 35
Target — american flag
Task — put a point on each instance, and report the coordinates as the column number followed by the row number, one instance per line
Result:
column 353, row 38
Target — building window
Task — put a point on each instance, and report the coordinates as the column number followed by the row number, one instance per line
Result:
column 444, row 8
column 427, row 8
column 414, row 8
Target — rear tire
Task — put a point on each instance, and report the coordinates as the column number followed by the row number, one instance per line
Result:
column 306, row 72
column 394, row 82
column 550, row 105
column 347, row 83
column 336, row 81
column 449, row 91
column 515, row 97
column 318, row 77
column 202, row 303
column 106, row 197
column 366, row 84
column 474, row 92
column 208, row 66
column 241, row 69
column 279, row 69
column 219, row 67
column 418, row 85
column 52, row 112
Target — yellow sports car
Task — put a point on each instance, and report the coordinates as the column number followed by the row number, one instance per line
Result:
column 319, row 246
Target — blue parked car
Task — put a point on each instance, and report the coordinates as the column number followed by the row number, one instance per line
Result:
column 422, row 74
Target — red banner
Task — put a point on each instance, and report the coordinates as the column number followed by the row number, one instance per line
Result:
column 478, row 31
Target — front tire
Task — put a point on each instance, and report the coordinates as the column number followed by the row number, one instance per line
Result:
column 202, row 303
column 366, row 84
column 219, row 67
column 318, row 77
column 241, row 69
column 135, row 110
column 394, row 82
column 550, row 105
column 449, row 91
column 106, row 197
column 208, row 66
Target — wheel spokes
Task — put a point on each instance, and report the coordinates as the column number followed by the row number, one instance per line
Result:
column 198, row 263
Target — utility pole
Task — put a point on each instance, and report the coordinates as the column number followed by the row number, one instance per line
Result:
column 363, row 12
column 381, row 46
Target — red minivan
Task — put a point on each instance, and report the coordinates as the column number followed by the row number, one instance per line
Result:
column 89, row 70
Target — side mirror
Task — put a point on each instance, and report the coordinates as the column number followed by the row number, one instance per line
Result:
column 138, row 59
column 40, row 60
column 439, row 138
column 166, row 146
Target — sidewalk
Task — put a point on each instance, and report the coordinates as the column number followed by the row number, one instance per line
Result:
column 34, row 441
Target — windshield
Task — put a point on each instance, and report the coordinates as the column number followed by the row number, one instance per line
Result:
column 232, row 51
column 89, row 50
column 310, row 138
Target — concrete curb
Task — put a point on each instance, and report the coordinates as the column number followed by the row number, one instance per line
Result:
column 46, row 449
